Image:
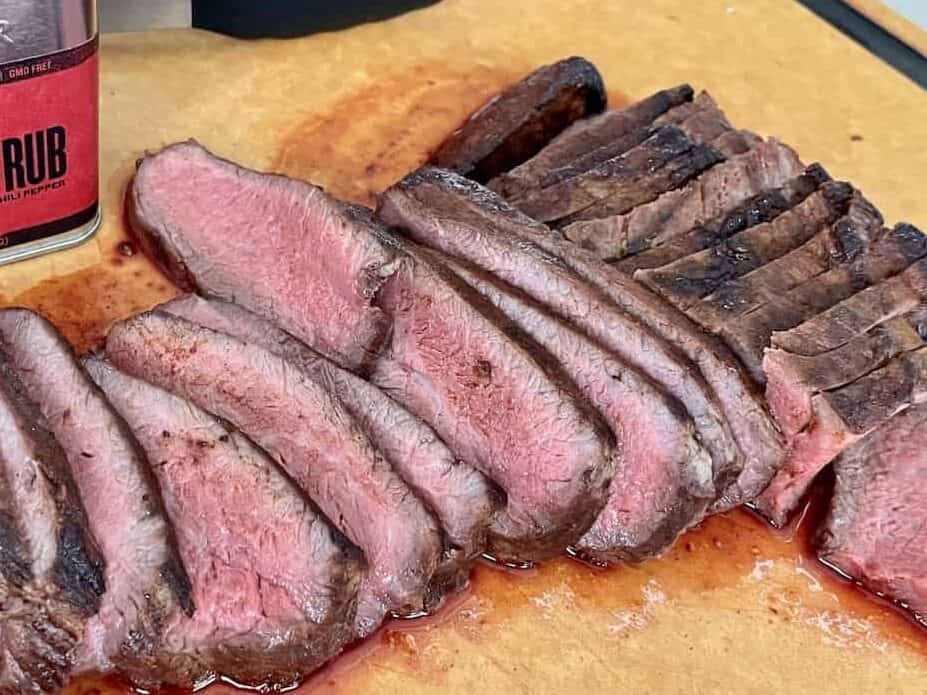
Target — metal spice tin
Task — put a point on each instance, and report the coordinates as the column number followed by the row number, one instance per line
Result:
column 49, row 126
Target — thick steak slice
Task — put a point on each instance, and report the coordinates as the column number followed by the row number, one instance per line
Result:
column 665, row 160
column 147, row 589
column 463, row 367
column 756, row 210
column 854, row 316
column 687, row 281
column 663, row 483
column 876, row 531
column 275, row 587
column 717, row 191
column 836, row 245
column 281, row 247
column 51, row 571
column 585, row 136
column 513, row 126
column 467, row 221
column 310, row 434
column 460, row 497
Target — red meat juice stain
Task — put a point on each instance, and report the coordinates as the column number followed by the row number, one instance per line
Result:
column 356, row 149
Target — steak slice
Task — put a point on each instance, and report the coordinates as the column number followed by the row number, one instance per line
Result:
column 665, row 160
column 514, row 125
column 841, row 323
column 836, row 245
column 702, row 120
column 275, row 587
column 663, row 484
column 310, row 434
column 467, row 221
column 585, row 136
column 802, row 387
column 458, row 495
column 717, row 191
column 876, row 530
column 51, row 571
column 886, row 256
column 466, row 370
column 281, row 247
column 687, row 281
column 147, row 589
column 758, row 209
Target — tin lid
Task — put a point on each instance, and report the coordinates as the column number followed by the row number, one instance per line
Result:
column 30, row 28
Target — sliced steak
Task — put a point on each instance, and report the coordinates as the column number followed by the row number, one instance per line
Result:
column 460, row 497
column 717, row 191
column 585, row 136
column 469, row 222
column 836, row 245
column 663, row 484
column 513, row 126
column 854, row 316
column 51, row 571
column 702, row 120
column 750, row 335
column 756, row 210
column 665, row 160
column 465, row 369
column 147, row 589
column 310, row 434
column 687, row 281
column 275, row 587
column 281, row 247
column 804, row 389
column 876, row 531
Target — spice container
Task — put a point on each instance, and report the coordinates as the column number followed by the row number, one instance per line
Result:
column 49, row 126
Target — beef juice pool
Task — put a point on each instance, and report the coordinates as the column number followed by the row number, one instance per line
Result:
column 49, row 126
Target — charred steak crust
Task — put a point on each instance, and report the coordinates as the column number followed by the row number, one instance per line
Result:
column 516, row 124
column 146, row 585
column 313, row 268
column 586, row 136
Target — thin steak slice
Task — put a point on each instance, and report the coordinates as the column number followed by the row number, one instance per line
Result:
column 147, row 588
column 886, row 256
column 465, row 369
column 469, row 222
column 51, row 571
column 280, row 247
column 663, row 484
column 717, row 191
column 876, row 531
column 687, row 281
column 275, row 587
column 702, row 120
column 665, row 160
column 585, row 136
column 802, row 391
column 460, row 497
column 758, row 209
column 838, row 244
column 854, row 316
column 514, row 125
column 310, row 434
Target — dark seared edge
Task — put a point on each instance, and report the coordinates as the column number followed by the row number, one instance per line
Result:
column 516, row 124
column 586, row 136
column 759, row 209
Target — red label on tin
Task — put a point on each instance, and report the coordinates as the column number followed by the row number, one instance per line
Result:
column 49, row 140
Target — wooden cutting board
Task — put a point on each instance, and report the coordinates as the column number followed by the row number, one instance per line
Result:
column 733, row 609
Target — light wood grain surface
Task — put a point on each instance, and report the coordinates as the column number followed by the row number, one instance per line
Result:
column 733, row 609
